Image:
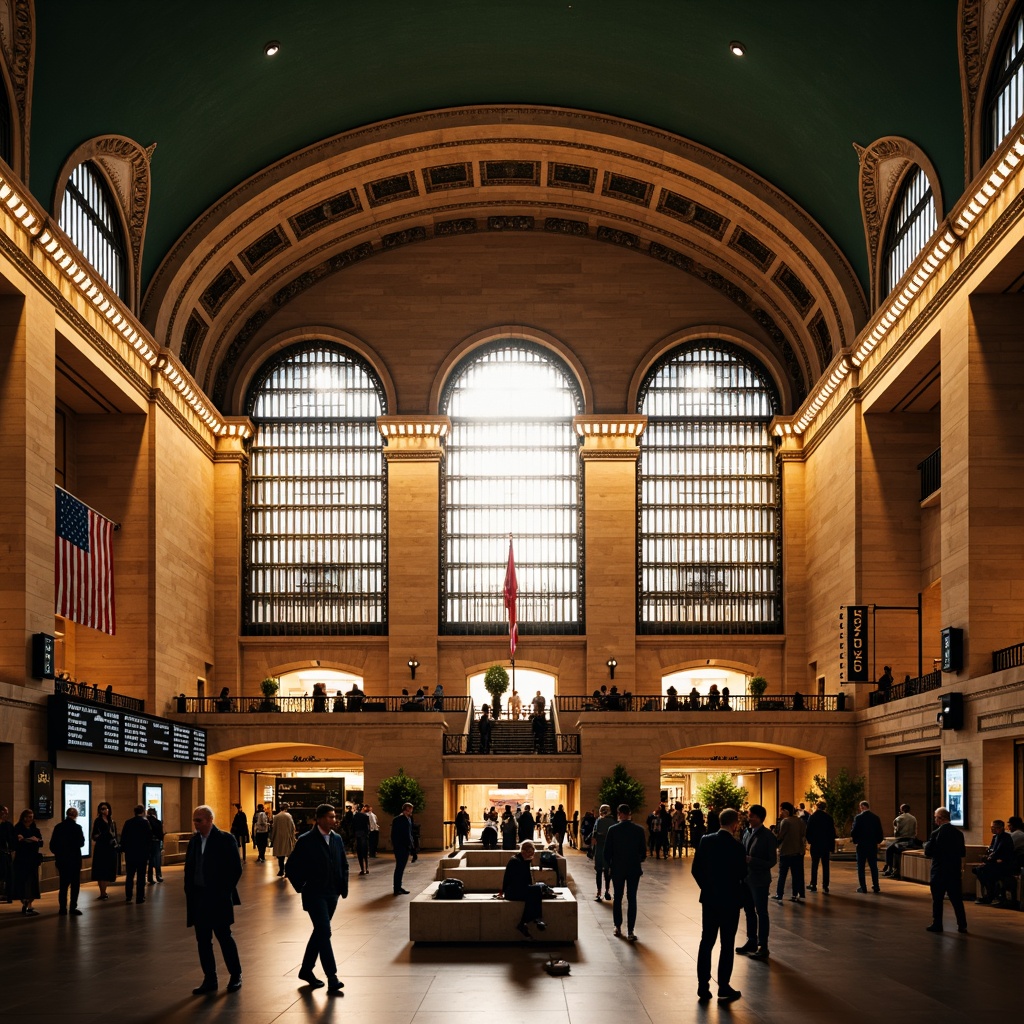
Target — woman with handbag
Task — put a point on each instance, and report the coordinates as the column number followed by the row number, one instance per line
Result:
column 104, row 854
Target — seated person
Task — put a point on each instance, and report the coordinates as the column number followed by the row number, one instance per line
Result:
column 905, row 831
column 518, row 885
column 998, row 865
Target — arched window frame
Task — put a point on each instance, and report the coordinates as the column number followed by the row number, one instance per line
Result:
column 490, row 552
column 699, row 596
column 1004, row 96
column 913, row 219
column 324, row 601
column 91, row 217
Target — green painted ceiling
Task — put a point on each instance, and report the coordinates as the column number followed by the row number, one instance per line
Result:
column 818, row 76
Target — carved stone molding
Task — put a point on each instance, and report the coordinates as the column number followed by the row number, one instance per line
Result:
column 883, row 166
column 125, row 164
column 18, row 45
column 904, row 737
column 996, row 720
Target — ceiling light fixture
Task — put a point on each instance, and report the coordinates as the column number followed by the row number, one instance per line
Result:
column 737, row 49
column 271, row 49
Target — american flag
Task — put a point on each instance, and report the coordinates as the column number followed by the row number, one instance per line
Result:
column 84, row 580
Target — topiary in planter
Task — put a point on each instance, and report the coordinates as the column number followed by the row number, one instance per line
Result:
column 400, row 789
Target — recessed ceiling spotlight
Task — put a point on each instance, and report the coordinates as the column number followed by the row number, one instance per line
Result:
column 271, row 49
column 736, row 48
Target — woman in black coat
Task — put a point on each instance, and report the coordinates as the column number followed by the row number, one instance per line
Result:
column 518, row 885
column 28, row 854
column 240, row 829
column 104, row 854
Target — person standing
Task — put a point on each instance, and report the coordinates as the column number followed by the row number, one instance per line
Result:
column 6, row 854
column 374, row 832
column 867, row 834
column 318, row 869
column 66, row 844
column 598, row 835
column 156, row 851
column 484, row 725
column 695, row 819
column 526, row 825
column 462, row 826
column 104, row 851
column 515, row 706
column 762, row 852
column 282, row 837
column 136, row 841
column 539, row 728
column 539, row 704
column 720, row 869
column 28, row 855
column 361, row 838
column 791, row 851
column 240, row 828
column 559, row 823
column 625, row 850
column 402, row 843
column 260, row 833
column 947, row 851
column 821, row 838
column 212, row 871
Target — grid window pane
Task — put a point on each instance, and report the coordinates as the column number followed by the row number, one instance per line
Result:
column 709, row 556
column 316, row 497
column 1005, row 103
column 912, row 224
column 89, row 217
column 512, row 466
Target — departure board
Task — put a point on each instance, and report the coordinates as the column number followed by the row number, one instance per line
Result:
column 100, row 729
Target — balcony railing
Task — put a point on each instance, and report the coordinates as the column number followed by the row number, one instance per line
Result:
column 460, row 743
column 93, row 692
column 631, row 702
column 1008, row 657
column 931, row 473
column 908, row 688
column 329, row 705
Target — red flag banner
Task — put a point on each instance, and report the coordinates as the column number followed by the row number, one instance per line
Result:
column 511, row 596
column 84, row 578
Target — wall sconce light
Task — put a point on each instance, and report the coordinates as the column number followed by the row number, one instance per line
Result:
column 611, row 663
column 413, row 665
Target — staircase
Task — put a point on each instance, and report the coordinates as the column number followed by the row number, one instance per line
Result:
column 512, row 739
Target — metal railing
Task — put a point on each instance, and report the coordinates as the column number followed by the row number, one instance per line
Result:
column 458, row 743
column 1008, row 657
column 93, row 692
column 317, row 705
column 931, row 473
column 908, row 688
column 632, row 702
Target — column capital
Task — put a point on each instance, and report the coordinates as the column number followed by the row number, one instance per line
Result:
column 610, row 436
column 414, row 437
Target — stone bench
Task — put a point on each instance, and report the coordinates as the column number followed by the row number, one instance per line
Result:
column 490, row 879
column 479, row 917
column 916, row 867
column 493, row 859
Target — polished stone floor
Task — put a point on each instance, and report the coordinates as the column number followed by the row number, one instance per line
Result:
column 843, row 957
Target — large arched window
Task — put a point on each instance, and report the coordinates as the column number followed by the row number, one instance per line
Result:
column 315, row 504
column 89, row 215
column 1004, row 103
column 913, row 221
column 709, row 555
column 512, row 466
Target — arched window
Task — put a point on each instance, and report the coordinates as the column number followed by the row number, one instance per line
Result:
column 512, row 466
column 89, row 215
column 315, row 519
column 913, row 221
column 709, row 555
column 1005, row 100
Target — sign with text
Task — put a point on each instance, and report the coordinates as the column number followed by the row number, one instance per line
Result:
column 854, row 645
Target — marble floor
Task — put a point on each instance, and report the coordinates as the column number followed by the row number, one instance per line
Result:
column 844, row 957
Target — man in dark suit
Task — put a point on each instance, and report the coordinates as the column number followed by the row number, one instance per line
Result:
column 625, row 850
column 998, row 865
column 137, row 843
column 212, row 871
column 66, row 846
column 402, row 844
column 762, row 853
column 947, row 851
column 867, row 835
column 821, row 838
column 318, row 868
column 720, row 868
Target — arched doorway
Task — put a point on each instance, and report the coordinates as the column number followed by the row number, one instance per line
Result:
column 527, row 682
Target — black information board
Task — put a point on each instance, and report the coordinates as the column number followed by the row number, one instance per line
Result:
column 101, row 729
column 303, row 796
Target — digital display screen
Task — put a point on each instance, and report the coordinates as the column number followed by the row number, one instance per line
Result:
column 100, row 729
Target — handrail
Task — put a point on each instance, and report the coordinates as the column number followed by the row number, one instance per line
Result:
column 633, row 702
column 317, row 705
column 453, row 743
column 1008, row 657
column 931, row 473
column 92, row 692
column 908, row 688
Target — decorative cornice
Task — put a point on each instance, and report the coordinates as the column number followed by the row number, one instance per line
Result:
column 930, row 733
column 166, row 404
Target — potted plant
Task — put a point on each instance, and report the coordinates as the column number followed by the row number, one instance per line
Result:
column 496, row 683
column 757, row 686
column 269, row 687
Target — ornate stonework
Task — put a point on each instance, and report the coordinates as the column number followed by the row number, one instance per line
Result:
column 18, row 44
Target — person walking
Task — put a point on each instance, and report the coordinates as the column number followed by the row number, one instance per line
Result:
column 137, row 842
column 485, row 725
column 240, row 828
column 625, row 850
column 762, row 852
column 361, row 838
column 260, row 833
column 66, row 842
column 720, row 868
column 791, row 833
column 318, row 869
column 156, row 851
column 598, row 836
column 947, row 851
column 821, row 838
column 403, row 843
column 867, row 835
column 374, row 832
column 559, row 824
column 212, row 871
column 282, row 837
column 462, row 826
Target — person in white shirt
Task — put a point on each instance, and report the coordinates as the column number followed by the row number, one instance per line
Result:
column 374, row 830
